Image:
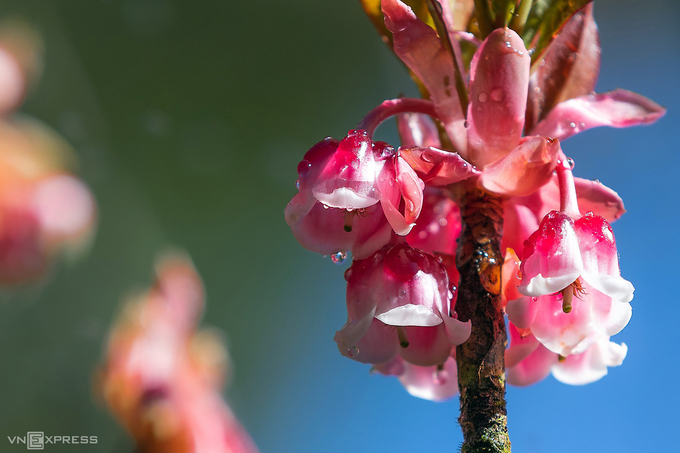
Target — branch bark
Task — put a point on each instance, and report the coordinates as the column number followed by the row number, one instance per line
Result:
column 481, row 363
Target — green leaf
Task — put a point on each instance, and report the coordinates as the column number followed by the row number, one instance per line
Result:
column 546, row 19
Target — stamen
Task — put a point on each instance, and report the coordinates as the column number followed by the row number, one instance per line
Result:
column 349, row 217
column 403, row 339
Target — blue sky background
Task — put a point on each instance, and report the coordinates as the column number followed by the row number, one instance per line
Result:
column 190, row 118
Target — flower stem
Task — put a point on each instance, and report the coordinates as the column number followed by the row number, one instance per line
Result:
column 393, row 107
column 481, row 362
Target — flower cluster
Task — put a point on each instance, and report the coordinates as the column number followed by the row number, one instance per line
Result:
column 162, row 378
column 495, row 126
column 44, row 209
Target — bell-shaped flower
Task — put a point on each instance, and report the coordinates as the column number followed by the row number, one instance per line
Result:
column 399, row 301
column 571, row 275
column 433, row 383
column 350, row 196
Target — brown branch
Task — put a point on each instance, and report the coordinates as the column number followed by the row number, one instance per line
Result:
column 481, row 364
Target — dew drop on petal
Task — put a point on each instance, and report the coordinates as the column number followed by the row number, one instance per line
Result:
column 353, row 351
column 297, row 184
column 388, row 151
column 497, row 94
column 482, row 97
column 339, row 257
column 466, row 124
column 572, row 124
column 582, row 124
column 427, row 157
column 348, row 273
column 537, row 89
column 569, row 163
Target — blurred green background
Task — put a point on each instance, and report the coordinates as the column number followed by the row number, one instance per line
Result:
column 189, row 119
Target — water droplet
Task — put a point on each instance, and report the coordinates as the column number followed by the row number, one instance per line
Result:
column 427, row 157
column 353, row 351
column 466, row 124
column 582, row 124
column 507, row 44
column 492, row 260
column 569, row 163
column 443, row 222
column 328, row 138
column 531, row 51
column 388, row 151
column 297, row 184
column 520, row 53
column 348, row 273
column 572, row 124
column 352, row 133
column 537, row 89
column 339, row 257
column 325, row 206
column 497, row 94
column 542, row 63
column 482, row 97
column 441, row 376
column 304, row 167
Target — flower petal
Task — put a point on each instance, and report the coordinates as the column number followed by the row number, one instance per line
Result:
column 499, row 80
column 438, row 167
column 429, row 383
column 522, row 171
column 417, row 129
column 419, row 47
column 569, row 67
column 379, row 344
column 618, row 108
column 552, row 260
column 591, row 365
column 600, row 258
column 409, row 315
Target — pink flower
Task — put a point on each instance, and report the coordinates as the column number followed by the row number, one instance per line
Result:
column 399, row 302
column 434, row 383
column 350, row 195
column 162, row 378
column 490, row 137
column 528, row 361
column 44, row 210
column 571, row 276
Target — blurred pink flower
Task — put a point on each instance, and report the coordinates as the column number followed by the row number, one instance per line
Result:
column 162, row 378
column 44, row 210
